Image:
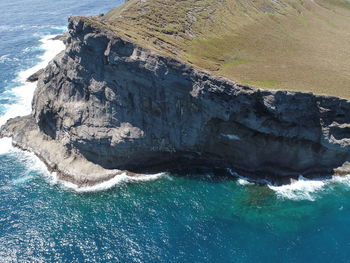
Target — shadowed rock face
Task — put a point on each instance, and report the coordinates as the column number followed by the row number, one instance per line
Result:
column 123, row 107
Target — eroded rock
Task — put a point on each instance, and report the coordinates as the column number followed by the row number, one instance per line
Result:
column 120, row 106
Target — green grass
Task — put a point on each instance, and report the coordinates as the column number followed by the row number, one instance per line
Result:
column 341, row 3
column 268, row 84
column 235, row 62
column 298, row 45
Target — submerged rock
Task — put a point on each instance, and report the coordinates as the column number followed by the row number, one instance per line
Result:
column 106, row 104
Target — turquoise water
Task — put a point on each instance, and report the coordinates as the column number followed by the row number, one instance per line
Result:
column 192, row 217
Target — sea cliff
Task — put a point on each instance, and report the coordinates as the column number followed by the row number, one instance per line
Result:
column 106, row 104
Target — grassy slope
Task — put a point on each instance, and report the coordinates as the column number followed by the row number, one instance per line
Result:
column 299, row 45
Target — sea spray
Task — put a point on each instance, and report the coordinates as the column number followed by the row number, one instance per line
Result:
column 23, row 93
column 298, row 190
column 246, row 181
column 33, row 165
column 6, row 145
column 302, row 189
column 118, row 179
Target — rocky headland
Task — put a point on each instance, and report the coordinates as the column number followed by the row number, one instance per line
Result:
column 106, row 105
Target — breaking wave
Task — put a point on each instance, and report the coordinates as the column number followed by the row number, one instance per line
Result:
column 301, row 189
column 22, row 96
column 118, row 179
column 23, row 93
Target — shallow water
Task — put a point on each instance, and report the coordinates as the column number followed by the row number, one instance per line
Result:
column 192, row 217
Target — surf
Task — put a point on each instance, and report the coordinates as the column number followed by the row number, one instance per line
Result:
column 23, row 93
column 106, row 185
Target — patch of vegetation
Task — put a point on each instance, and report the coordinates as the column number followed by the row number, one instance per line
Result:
column 171, row 29
column 300, row 44
column 341, row 3
column 268, row 84
column 235, row 62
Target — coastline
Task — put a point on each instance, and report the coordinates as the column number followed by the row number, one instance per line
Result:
column 68, row 169
column 73, row 165
column 300, row 188
column 24, row 91
column 53, row 45
column 96, row 178
column 172, row 120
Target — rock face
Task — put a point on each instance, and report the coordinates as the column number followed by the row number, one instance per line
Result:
column 34, row 77
column 112, row 103
column 62, row 37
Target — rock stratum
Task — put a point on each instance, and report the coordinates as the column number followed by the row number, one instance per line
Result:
column 105, row 105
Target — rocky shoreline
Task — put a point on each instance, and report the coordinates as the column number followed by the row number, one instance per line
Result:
column 105, row 105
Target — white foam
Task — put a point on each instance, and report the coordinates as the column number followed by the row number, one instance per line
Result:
column 5, row 58
column 31, row 161
column 299, row 190
column 241, row 180
column 118, row 179
column 343, row 179
column 23, row 95
column 244, row 181
column 146, row 177
column 302, row 189
column 52, row 48
column 24, row 92
column 98, row 187
column 23, row 179
column 6, row 145
column 309, row 189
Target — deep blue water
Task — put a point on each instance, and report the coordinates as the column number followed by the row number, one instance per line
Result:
column 195, row 217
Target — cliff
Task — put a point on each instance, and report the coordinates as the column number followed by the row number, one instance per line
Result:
column 285, row 44
column 106, row 104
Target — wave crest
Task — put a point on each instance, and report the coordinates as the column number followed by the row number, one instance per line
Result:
column 118, row 179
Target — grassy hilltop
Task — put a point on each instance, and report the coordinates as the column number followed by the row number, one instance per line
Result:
column 301, row 45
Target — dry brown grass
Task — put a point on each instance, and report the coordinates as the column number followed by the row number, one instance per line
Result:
column 301, row 45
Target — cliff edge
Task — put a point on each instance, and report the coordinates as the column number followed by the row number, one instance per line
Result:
column 106, row 104
column 285, row 44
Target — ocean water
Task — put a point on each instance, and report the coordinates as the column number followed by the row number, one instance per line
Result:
column 195, row 216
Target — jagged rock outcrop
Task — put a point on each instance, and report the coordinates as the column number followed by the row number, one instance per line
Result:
column 34, row 77
column 61, row 37
column 113, row 104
